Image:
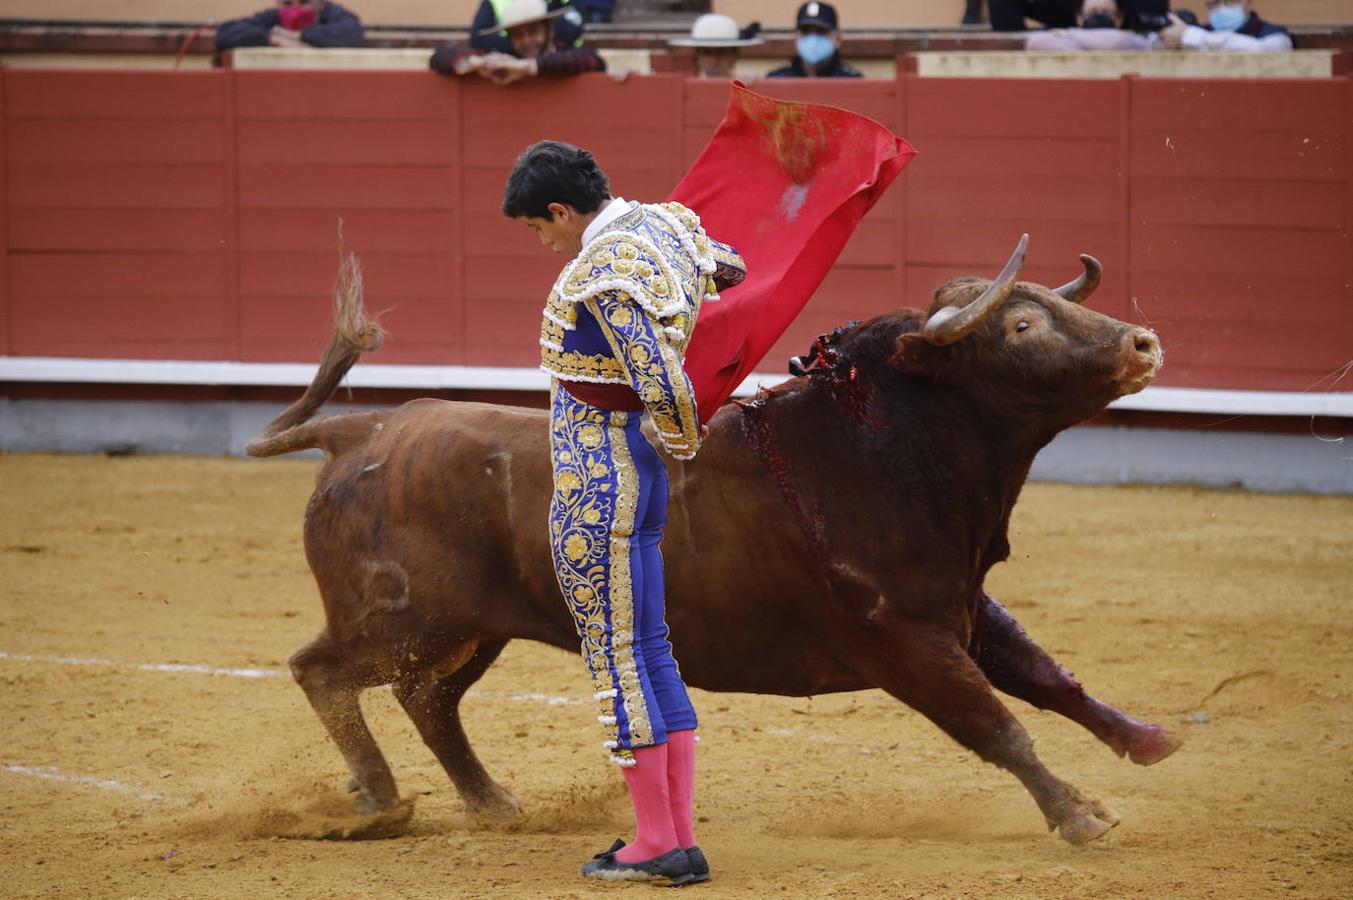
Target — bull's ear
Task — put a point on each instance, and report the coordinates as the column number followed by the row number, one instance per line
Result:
column 913, row 353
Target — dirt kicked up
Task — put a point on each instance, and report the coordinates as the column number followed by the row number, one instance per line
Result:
column 152, row 743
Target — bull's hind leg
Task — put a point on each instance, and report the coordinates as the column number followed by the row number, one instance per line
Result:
column 433, row 703
column 1020, row 668
column 932, row 674
column 332, row 683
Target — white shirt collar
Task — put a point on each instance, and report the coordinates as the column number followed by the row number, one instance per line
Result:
column 609, row 213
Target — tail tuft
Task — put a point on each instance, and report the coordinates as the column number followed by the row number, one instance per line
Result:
column 354, row 334
column 350, row 321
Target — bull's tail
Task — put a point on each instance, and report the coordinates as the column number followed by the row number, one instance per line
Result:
column 354, row 334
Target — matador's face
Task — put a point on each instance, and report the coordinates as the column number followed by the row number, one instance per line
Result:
column 562, row 232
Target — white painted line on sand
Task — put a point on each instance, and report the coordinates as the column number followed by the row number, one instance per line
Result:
column 52, row 773
column 547, row 699
column 199, row 669
column 144, row 667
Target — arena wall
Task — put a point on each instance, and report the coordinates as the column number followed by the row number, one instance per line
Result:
column 191, row 216
column 771, row 13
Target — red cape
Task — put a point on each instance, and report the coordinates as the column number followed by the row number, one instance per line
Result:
column 785, row 183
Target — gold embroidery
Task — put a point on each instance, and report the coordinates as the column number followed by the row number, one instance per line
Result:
column 578, row 367
column 622, row 592
column 660, row 258
column 655, row 372
column 596, row 486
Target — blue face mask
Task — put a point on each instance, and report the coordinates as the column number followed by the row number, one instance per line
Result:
column 1226, row 18
column 815, row 49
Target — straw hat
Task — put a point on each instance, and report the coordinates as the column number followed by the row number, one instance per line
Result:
column 714, row 30
column 524, row 12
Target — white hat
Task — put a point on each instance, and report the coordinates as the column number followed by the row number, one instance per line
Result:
column 714, row 30
column 523, row 12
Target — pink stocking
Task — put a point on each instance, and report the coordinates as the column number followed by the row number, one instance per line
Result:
column 681, row 783
column 647, row 783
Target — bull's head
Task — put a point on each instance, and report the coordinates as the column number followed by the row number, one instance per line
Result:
column 1031, row 346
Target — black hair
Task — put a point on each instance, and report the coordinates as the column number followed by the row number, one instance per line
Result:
column 554, row 172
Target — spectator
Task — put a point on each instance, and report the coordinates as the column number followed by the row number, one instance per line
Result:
column 818, row 47
column 294, row 23
column 1231, row 25
column 535, row 48
column 485, row 35
column 1101, row 24
column 717, row 40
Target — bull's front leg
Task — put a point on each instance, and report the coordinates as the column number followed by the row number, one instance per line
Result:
column 1017, row 666
column 926, row 668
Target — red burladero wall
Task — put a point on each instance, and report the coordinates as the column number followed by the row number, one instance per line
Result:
column 192, row 215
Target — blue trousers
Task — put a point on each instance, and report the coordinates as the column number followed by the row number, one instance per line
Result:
column 607, row 516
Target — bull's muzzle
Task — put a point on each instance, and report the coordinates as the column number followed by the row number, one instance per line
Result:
column 1141, row 356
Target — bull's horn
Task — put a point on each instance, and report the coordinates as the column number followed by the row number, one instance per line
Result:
column 951, row 323
column 1079, row 291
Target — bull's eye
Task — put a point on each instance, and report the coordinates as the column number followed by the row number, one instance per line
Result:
column 1022, row 326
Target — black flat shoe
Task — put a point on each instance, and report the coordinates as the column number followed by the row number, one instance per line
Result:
column 673, row 867
column 699, row 865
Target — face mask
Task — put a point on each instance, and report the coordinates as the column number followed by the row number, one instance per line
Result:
column 815, row 49
column 1226, row 18
column 1099, row 20
column 294, row 18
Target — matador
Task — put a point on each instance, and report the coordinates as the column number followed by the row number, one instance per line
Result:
column 614, row 332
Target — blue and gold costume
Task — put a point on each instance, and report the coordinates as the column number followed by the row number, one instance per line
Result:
column 621, row 314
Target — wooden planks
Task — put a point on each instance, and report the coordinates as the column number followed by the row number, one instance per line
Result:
column 193, row 214
column 1000, row 158
column 1240, row 229
column 117, row 217
column 375, row 150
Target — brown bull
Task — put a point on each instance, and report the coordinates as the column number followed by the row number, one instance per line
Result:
column 838, row 528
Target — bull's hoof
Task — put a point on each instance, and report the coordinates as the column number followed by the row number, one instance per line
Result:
column 1151, row 745
column 494, row 803
column 370, row 805
column 1085, row 821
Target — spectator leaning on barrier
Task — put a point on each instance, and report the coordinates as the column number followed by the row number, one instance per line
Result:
column 294, row 23
column 717, row 41
column 485, row 34
column 536, row 48
column 1233, row 26
column 1101, row 28
column 818, row 46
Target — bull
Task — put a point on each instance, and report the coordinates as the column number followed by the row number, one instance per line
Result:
column 838, row 528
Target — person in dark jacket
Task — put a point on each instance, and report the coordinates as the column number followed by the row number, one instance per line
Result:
column 294, row 23
column 818, row 46
column 1141, row 16
column 535, row 48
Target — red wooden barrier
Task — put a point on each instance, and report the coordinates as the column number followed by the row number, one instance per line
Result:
column 191, row 215
column 1240, row 229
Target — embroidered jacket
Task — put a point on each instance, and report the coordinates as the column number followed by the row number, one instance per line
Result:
column 623, row 311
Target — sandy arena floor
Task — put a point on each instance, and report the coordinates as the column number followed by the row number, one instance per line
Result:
column 1224, row 615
